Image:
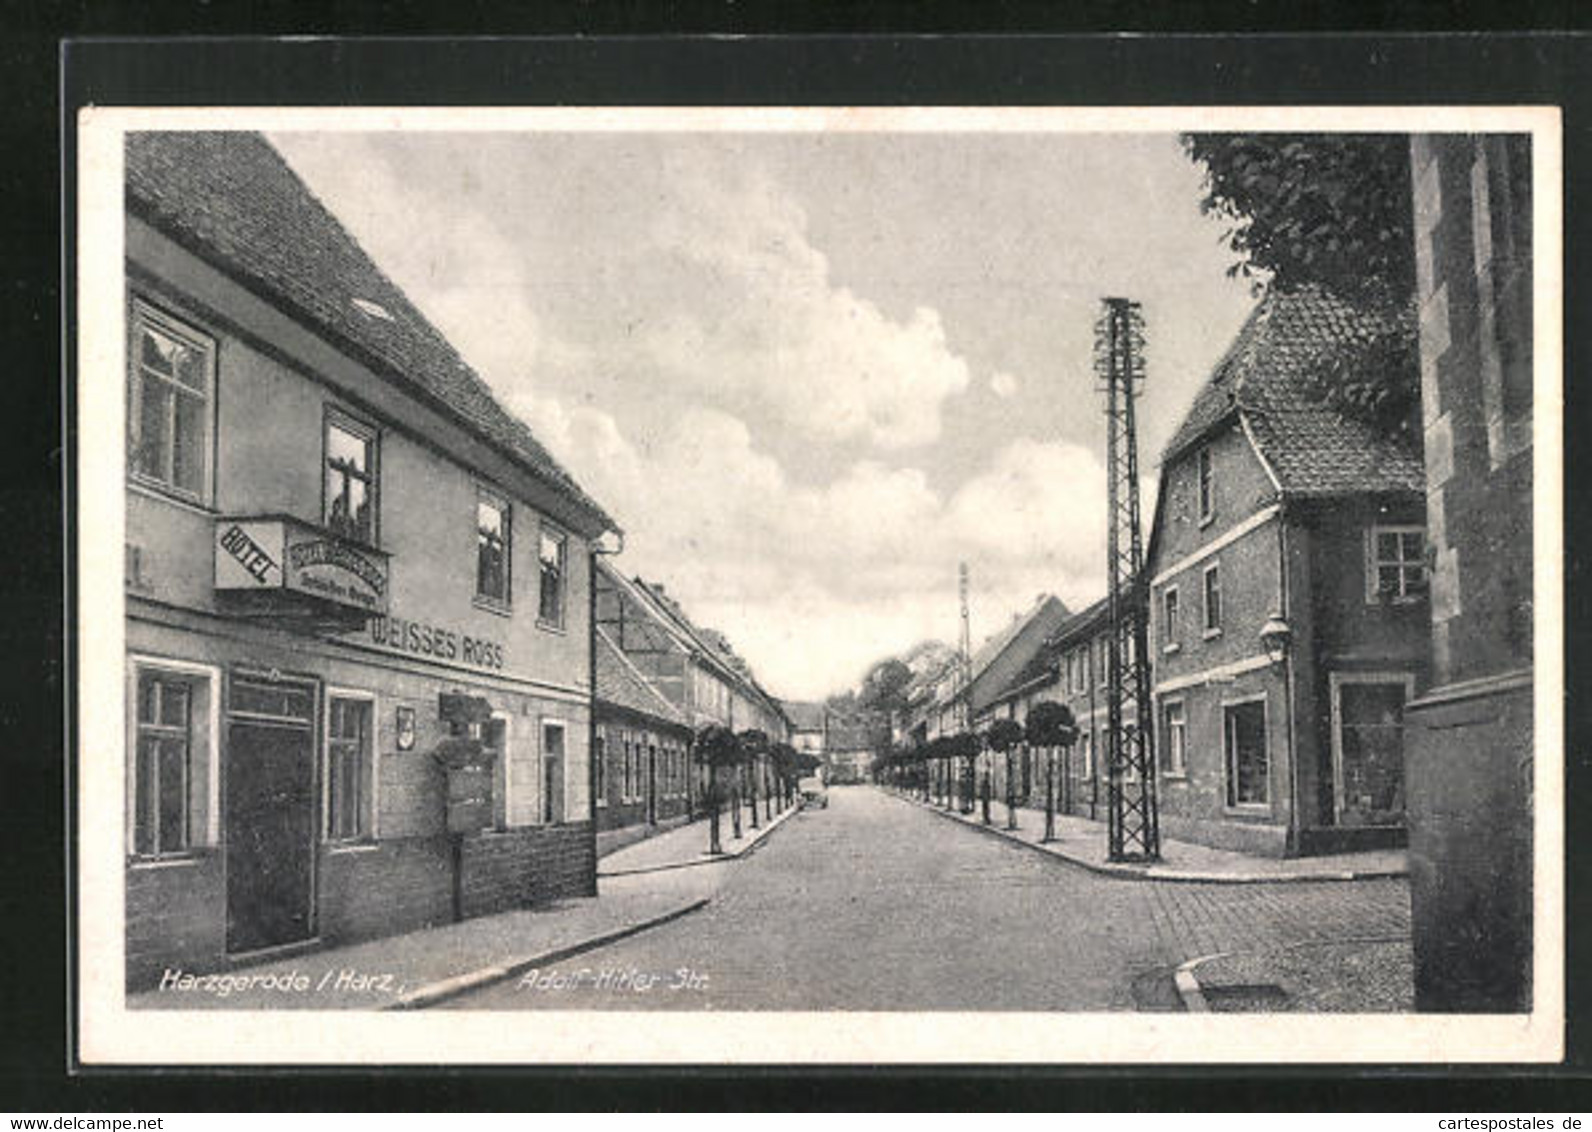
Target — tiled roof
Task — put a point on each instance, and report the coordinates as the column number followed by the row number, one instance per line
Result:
column 232, row 199
column 804, row 716
column 620, row 684
column 1266, row 376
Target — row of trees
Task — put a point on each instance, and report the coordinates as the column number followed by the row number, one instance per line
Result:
column 931, row 767
column 731, row 760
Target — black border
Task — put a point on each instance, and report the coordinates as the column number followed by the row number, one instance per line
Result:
column 1508, row 68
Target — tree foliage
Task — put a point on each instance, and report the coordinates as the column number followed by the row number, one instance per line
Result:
column 1051, row 725
column 1004, row 734
column 716, row 745
column 884, row 687
column 1331, row 211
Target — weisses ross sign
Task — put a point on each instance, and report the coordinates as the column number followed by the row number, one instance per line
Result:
column 259, row 555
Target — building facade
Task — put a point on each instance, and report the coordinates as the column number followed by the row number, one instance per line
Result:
column 358, row 642
column 1069, row 669
column 642, row 752
column 693, row 670
column 1287, row 599
column 1472, row 732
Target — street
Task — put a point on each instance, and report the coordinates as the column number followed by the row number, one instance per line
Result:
column 876, row 904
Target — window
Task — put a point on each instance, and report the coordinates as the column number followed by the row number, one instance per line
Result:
column 552, row 772
column 1213, row 600
column 1207, row 487
column 1395, row 564
column 1174, row 739
column 1247, row 762
column 162, row 777
column 350, row 768
column 1169, row 625
column 550, row 607
column 493, row 546
column 350, row 493
column 171, row 386
column 601, row 767
column 495, row 746
column 1086, row 754
column 628, row 787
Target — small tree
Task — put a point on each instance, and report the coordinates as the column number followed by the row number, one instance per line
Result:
column 963, row 746
column 1003, row 737
column 782, row 757
column 716, row 748
column 754, row 746
column 1050, row 725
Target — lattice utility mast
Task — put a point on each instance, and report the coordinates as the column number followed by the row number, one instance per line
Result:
column 964, row 656
column 1134, row 826
column 964, row 680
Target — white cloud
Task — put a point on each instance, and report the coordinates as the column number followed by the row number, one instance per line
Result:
column 764, row 320
column 812, row 582
column 1004, row 385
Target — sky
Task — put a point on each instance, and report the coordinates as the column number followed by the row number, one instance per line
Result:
column 807, row 373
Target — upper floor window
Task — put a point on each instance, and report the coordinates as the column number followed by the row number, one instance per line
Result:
column 550, row 607
column 1169, row 625
column 1395, row 568
column 350, row 495
column 1207, row 487
column 494, row 544
column 171, row 392
column 1213, row 600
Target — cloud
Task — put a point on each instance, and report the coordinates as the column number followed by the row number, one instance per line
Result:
column 812, row 582
column 1005, row 385
column 762, row 319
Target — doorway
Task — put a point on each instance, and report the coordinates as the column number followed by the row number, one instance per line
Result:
column 270, row 814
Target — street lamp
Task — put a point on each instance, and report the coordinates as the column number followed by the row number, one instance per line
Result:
column 1275, row 637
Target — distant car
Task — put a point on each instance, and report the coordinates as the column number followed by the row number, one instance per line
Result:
column 814, row 796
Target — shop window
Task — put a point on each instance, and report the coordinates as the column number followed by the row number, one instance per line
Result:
column 1395, row 568
column 1207, row 486
column 550, row 608
column 350, row 490
column 171, row 392
column 1213, row 600
column 1174, row 739
column 350, row 769
column 170, row 766
column 1368, row 747
column 494, row 546
column 1169, row 625
column 1244, row 728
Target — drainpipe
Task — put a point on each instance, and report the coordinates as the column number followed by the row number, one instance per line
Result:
column 591, row 707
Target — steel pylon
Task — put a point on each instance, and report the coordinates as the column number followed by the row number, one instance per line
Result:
column 1134, row 821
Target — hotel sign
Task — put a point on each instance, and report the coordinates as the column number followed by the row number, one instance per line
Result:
column 288, row 557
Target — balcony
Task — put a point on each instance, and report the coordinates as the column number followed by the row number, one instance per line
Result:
column 297, row 574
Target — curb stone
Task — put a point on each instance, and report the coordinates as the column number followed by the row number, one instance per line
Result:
column 1188, row 984
column 1161, row 872
column 433, row 993
column 744, row 851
